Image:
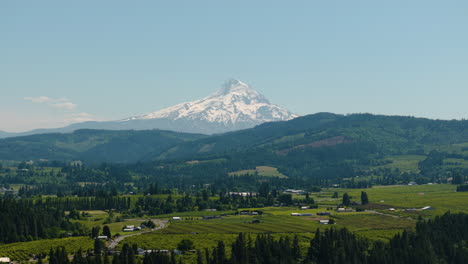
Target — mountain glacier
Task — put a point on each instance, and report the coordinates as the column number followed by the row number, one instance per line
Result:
column 235, row 106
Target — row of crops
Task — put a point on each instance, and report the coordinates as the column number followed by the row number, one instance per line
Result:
column 26, row 250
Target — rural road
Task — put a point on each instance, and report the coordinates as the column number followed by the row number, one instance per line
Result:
column 390, row 215
column 160, row 224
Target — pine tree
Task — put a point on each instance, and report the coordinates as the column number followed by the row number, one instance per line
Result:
column 199, row 257
column 364, row 198
column 296, row 250
column 95, row 231
column 98, row 246
column 346, row 199
column 106, row 231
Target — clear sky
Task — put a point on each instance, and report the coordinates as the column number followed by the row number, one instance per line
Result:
column 66, row 61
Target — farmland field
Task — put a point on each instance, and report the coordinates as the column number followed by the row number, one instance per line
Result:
column 442, row 197
column 404, row 162
column 22, row 251
column 378, row 222
column 98, row 218
column 265, row 171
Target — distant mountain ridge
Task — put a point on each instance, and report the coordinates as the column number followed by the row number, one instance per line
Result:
column 235, row 106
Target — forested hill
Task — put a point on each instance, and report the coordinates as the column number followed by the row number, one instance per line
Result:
column 360, row 134
column 388, row 134
column 93, row 146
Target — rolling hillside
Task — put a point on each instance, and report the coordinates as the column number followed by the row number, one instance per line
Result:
column 92, row 146
column 361, row 134
column 388, row 134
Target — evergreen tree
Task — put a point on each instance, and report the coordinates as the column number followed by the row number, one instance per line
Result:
column 199, row 257
column 296, row 249
column 346, row 199
column 98, row 246
column 364, row 198
column 106, row 231
column 220, row 253
column 95, row 231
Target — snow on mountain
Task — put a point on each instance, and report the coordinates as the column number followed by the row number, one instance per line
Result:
column 235, row 105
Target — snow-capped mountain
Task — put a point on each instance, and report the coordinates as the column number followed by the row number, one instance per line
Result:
column 234, row 106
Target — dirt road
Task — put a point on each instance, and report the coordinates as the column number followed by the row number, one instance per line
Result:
column 160, row 224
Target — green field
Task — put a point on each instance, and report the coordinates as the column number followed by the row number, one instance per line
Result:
column 23, row 251
column 276, row 221
column 265, row 171
column 98, row 218
column 442, row 197
column 404, row 162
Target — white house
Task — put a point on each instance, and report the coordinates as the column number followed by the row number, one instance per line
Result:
column 5, row 260
column 324, row 221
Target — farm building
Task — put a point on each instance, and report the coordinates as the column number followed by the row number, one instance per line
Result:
column 324, row 221
column 248, row 213
column 143, row 252
column 323, row 213
column 207, row 217
column 243, row 194
column 176, row 218
column 300, row 192
column 102, row 237
column 5, row 260
column 302, row 214
column 305, row 207
column 427, row 208
column 344, row 210
column 128, row 230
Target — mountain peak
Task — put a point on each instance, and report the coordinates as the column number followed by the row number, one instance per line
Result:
column 232, row 85
column 235, row 106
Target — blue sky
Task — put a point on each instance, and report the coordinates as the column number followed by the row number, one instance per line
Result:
column 63, row 61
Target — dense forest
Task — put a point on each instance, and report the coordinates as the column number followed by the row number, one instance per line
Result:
column 23, row 221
